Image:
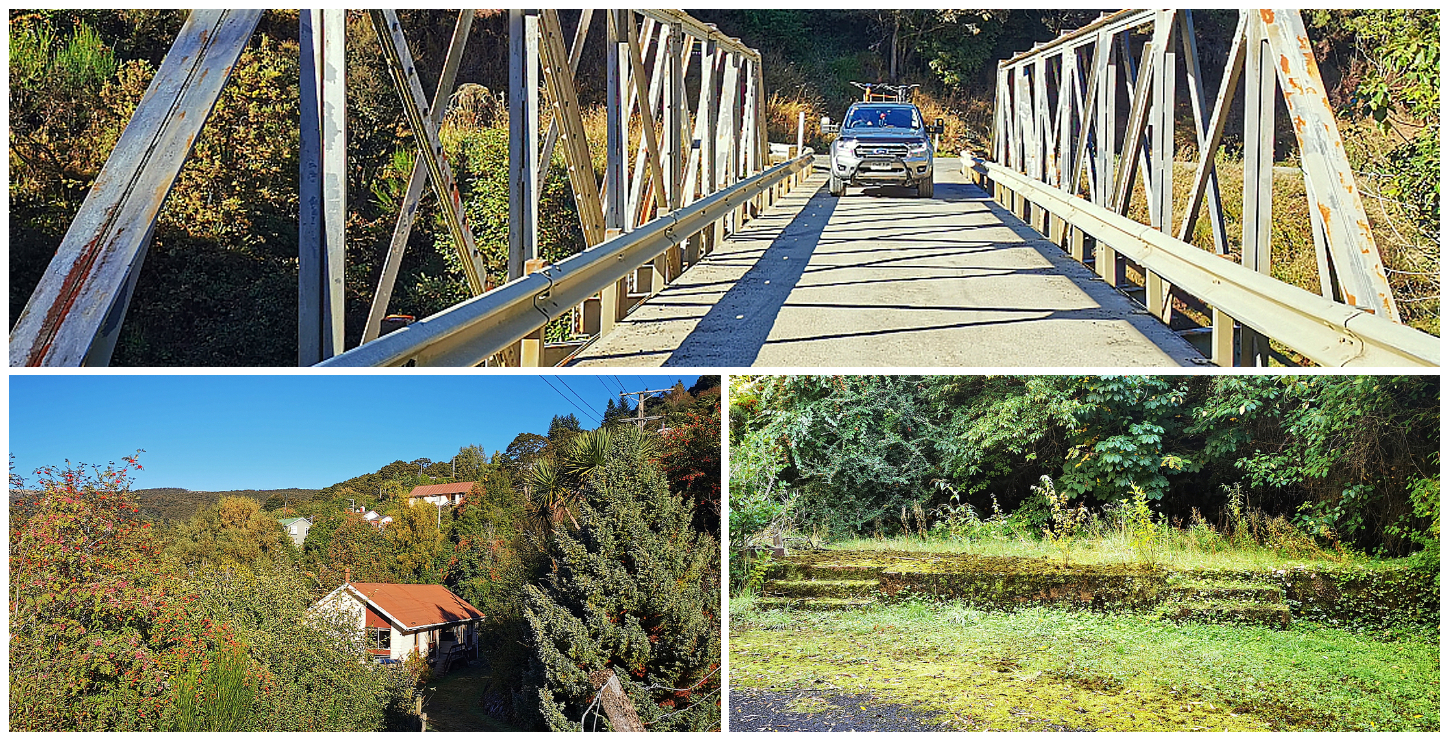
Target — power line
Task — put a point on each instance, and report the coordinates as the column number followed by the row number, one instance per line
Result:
column 575, row 393
column 622, row 387
column 560, row 393
column 600, row 379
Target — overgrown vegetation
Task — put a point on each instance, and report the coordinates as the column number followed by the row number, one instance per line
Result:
column 1338, row 459
column 120, row 621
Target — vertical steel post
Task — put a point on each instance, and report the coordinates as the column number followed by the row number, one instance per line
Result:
column 616, row 152
column 322, row 185
column 523, row 162
column 1260, row 98
column 708, row 144
column 673, row 153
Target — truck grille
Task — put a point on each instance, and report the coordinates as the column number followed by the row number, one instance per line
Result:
column 866, row 149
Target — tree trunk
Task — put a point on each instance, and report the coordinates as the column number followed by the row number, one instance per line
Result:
column 895, row 46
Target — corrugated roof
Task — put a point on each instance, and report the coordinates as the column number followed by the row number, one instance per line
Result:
column 416, row 605
column 289, row 520
column 437, row 490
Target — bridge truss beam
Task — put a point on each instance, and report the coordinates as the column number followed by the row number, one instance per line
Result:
column 702, row 146
column 1057, row 124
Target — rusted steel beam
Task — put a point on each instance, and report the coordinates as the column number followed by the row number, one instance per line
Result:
column 1350, row 240
column 76, row 311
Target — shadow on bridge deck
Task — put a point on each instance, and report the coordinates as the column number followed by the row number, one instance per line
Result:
column 881, row 278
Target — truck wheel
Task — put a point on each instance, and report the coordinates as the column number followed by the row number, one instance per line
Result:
column 926, row 188
column 837, row 186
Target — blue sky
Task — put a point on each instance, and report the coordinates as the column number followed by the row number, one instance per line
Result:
column 215, row 433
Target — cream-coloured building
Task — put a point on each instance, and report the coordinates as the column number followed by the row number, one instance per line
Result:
column 441, row 494
column 401, row 619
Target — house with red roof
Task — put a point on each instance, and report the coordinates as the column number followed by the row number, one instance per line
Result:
column 440, row 494
column 403, row 619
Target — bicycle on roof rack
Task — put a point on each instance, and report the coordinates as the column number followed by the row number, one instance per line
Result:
column 881, row 92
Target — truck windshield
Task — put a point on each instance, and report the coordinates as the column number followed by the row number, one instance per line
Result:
column 873, row 117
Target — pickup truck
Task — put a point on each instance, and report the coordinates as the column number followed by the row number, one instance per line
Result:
column 883, row 144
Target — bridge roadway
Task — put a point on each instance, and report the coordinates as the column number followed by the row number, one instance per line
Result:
column 881, row 278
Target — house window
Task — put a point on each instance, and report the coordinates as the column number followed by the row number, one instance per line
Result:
column 380, row 638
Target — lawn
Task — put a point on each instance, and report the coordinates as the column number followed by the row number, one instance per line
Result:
column 1048, row 668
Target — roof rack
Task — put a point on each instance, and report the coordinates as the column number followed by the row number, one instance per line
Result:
column 881, row 92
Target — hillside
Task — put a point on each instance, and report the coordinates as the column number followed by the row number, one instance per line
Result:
column 174, row 504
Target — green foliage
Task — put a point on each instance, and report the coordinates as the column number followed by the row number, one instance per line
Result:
column 97, row 623
column 415, row 539
column 634, row 591
column 1335, row 454
column 1399, row 88
column 216, row 694
column 856, row 448
column 233, row 533
column 1144, row 530
column 1066, row 521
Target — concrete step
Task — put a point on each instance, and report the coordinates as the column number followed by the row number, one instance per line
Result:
column 1225, row 591
column 1226, row 611
column 812, row 603
column 821, row 588
column 791, row 571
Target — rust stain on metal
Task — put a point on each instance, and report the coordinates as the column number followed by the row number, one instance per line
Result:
column 70, row 290
column 1266, row 15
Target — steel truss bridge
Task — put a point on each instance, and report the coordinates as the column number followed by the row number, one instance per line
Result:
column 688, row 238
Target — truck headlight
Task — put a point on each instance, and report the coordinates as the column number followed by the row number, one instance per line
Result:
column 847, row 146
column 920, row 147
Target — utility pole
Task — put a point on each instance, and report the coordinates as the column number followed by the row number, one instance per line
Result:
column 639, row 419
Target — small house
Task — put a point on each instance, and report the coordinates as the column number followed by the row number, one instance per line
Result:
column 403, row 619
column 440, row 494
column 296, row 528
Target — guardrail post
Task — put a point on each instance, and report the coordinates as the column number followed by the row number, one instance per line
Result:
column 323, row 186
column 1222, row 339
column 530, row 348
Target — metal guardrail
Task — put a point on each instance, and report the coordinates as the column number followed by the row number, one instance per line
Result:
column 1323, row 330
column 471, row 332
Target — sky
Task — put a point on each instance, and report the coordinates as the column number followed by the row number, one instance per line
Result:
column 220, row 433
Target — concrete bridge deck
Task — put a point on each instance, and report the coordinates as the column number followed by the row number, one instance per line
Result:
column 882, row 278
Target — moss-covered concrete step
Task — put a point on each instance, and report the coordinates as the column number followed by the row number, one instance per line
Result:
column 1226, row 592
column 821, row 588
column 826, row 570
column 1254, row 613
column 812, row 603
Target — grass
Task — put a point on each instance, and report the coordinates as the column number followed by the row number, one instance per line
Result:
column 1042, row 667
column 454, row 702
column 1178, row 550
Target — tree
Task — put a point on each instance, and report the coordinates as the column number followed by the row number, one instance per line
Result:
column 97, row 622
column 524, row 450
column 358, row 547
column 562, row 427
column 635, row 592
column 416, row 541
column 690, row 457
column 234, row 532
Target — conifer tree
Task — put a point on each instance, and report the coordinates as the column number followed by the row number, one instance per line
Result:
column 633, row 591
